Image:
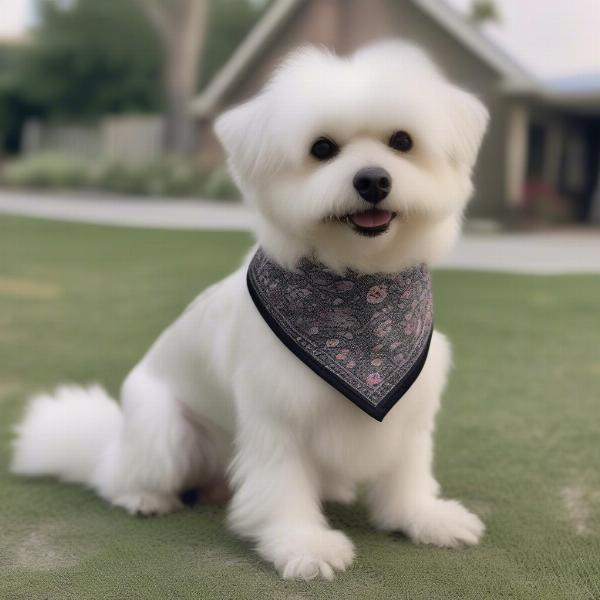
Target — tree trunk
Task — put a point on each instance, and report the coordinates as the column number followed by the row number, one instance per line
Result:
column 181, row 25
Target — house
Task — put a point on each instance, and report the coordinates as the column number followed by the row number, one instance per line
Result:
column 541, row 155
column 561, row 162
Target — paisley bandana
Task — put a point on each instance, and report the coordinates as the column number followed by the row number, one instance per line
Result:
column 366, row 335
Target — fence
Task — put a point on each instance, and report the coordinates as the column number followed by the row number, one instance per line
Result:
column 130, row 139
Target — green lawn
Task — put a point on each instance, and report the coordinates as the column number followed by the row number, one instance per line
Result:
column 518, row 438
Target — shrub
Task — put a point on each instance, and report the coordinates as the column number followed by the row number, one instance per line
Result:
column 166, row 177
column 46, row 171
column 220, row 185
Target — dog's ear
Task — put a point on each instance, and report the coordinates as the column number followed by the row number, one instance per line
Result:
column 469, row 119
column 241, row 131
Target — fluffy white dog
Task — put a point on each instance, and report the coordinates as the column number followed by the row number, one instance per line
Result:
column 218, row 398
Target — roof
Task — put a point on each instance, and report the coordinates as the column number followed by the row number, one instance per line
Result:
column 277, row 16
column 575, row 91
column 584, row 84
column 514, row 76
column 260, row 35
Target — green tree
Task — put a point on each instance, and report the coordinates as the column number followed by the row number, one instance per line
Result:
column 15, row 107
column 88, row 58
column 94, row 58
column 483, row 11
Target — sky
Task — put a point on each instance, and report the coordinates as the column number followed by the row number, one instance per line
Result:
column 550, row 38
column 15, row 16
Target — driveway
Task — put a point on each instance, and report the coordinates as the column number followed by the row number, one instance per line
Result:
column 550, row 252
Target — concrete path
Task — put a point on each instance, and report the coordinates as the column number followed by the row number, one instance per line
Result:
column 128, row 212
column 550, row 252
column 554, row 252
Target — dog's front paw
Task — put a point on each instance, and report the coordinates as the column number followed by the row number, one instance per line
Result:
column 308, row 554
column 148, row 504
column 444, row 523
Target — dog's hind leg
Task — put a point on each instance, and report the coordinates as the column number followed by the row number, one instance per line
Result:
column 159, row 452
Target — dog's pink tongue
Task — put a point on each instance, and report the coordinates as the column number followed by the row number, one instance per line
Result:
column 371, row 218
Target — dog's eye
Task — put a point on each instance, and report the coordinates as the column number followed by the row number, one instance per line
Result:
column 401, row 141
column 324, row 149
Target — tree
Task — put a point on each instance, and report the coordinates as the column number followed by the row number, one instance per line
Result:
column 90, row 58
column 229, row 23
column 483, row 11
column 93, row 58
column 181, row 27
column 15, row 108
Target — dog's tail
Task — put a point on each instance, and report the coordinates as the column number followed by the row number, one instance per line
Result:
column 65, row 434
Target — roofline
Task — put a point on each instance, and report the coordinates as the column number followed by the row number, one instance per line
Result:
column 577, row 89
column 269, row 24
column 584, row 102
column 515, row 78
column 578, row 96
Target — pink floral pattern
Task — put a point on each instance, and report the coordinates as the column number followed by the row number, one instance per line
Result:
column 377, row 294
column 383, row 328
column 374, row 379
column 364, row 330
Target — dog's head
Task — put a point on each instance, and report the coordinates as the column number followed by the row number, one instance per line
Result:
column 362, row 161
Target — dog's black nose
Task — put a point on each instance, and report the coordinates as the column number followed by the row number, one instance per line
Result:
column 373, row 184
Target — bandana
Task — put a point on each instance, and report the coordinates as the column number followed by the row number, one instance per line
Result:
column 366, row 335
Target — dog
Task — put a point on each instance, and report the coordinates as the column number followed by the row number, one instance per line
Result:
column 364, row 163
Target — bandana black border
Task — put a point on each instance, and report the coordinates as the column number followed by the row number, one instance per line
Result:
column 379, row 411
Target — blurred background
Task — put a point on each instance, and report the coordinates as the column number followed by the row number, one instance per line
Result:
column 119, row 95
column 106, row 111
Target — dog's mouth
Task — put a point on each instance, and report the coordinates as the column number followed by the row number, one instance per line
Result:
column 370, row 223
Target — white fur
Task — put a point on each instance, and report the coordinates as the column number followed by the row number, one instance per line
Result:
column 218, row 392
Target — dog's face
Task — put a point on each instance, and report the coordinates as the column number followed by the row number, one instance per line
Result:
column 363, row 161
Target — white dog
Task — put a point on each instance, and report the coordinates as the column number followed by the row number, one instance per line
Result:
column 219, row 398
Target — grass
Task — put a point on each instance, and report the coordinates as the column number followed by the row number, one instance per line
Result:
column 518, row 438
